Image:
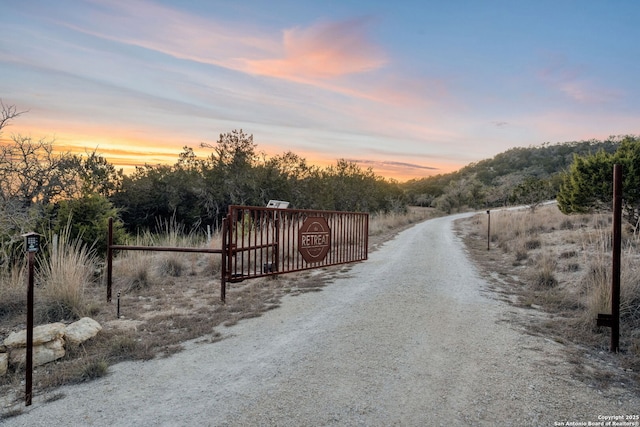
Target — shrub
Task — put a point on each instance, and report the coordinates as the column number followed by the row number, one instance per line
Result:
column 90, row 223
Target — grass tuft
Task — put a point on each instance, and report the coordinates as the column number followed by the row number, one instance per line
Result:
column 67, row 268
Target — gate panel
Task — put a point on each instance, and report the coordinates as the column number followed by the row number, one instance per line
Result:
column 267, row 241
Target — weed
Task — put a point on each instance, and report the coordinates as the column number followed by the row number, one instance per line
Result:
column 91, row 370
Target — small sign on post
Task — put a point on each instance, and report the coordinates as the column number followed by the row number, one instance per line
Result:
column 32, row 241
column 32, row 245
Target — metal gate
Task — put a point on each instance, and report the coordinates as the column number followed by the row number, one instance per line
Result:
column 259, row 241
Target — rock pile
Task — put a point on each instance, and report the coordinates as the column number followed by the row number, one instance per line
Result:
column 48, row 342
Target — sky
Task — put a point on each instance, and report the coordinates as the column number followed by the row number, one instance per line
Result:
column 408, row 88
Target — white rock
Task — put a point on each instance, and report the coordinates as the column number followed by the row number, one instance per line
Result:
column 41, row 334
column 42, row 354
column 82, row 330
column 4, row 362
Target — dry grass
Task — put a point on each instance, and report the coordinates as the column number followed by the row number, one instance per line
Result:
column 382, row 223
column 12, row 290
column 561, row 265
column 67, row 268
column 165, row 299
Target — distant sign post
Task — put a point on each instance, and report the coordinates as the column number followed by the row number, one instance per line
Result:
column 314, row 239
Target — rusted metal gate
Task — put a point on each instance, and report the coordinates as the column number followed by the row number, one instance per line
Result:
column 260, row 241
column 264, row 241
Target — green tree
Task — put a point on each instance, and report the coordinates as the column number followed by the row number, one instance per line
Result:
column 88, row 218
column 532, row 192
column 588, row 185
column 97, row 175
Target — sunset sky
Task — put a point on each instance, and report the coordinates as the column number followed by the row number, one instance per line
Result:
column 410, row 88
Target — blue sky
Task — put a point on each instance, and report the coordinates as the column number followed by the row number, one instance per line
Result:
column 410, row 88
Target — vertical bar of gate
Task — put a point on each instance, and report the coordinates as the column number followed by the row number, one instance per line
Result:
column 233, row 244
column 345, row 238
column 343, row 251
column 353, row 241
column 223, row 261
column 241, row 245
column 276, row 240
column 263, row 223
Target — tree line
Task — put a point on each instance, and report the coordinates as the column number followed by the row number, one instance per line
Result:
column 43, row 190
column 518, row 176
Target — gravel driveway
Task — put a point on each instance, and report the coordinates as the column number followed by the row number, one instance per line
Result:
column 409, row 337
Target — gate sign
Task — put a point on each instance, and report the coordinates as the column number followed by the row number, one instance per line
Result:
column 314, row 239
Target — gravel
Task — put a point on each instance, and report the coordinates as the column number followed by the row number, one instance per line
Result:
column 410, row 337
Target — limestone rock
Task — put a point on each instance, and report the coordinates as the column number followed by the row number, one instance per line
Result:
column 82, row 330
column 45, row 353
column 41, row 334
column 4, row 362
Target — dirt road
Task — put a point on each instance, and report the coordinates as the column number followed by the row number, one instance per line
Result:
column 410, row 337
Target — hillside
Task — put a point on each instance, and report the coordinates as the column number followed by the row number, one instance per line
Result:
column 492, row 182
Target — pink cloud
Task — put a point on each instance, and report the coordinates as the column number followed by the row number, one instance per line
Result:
column 323, row 51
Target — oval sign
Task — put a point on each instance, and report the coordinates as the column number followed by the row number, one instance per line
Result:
column 314, row 239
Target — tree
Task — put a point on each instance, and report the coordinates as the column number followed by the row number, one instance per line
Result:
column 532, row 192
column 88, row 219
column 97, row 175
column 588, row 185
column 31, row 173
column 7, row 114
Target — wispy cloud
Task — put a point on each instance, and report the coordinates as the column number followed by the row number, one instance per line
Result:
column 322, row 51
column 388, row 164
column 574, row 82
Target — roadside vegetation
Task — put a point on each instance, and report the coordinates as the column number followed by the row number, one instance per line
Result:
column 165, row 299
column 561, row 265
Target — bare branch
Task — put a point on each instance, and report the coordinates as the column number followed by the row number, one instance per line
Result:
column 8, row 113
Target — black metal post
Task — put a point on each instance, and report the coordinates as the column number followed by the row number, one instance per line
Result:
column 615, row 280
column 488, row 229
column 613, row 320
column 109, row 259
column 118, row 306
column 29, row 355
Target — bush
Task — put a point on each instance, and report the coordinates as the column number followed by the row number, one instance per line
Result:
column 88, row 218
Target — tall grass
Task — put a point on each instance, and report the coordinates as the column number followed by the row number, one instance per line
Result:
column 68, row 266
column 137, row 270
column 564, row 263
column 380, row 223
column 12, row 289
